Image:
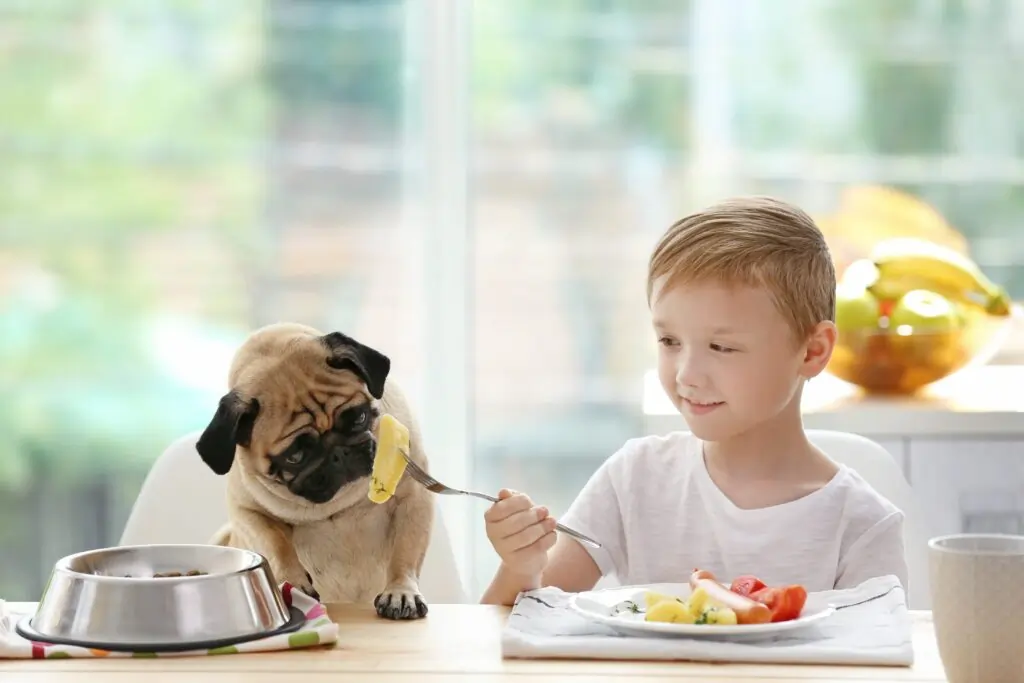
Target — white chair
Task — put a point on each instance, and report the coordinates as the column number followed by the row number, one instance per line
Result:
column 183, row 501
column 880, row 469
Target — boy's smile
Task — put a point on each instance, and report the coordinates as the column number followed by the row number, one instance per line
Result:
column 700, row 407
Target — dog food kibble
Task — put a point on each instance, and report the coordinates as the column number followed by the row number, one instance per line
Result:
column 168, row 575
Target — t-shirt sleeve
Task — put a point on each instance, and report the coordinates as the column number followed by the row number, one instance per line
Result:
column 597, row 512
column 880, row 551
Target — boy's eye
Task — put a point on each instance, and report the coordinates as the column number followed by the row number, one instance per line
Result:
column 667, row 341
column 721, row 349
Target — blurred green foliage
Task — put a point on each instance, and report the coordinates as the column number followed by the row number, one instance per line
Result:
column 116, row 118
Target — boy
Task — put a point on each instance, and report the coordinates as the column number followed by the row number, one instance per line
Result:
column 742, row 296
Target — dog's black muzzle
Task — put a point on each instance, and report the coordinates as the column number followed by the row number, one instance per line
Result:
column 317, row 468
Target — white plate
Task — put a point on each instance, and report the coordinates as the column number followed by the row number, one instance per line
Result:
column 610, row 606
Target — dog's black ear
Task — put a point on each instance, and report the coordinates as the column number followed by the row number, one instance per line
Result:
column 231, row 426
column 348, row 354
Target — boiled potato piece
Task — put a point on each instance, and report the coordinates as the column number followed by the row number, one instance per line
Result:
column 699, row 601
column 697, row 609
column 388, row 462
column 652, row 598
column 718, row 615
column 671, row 611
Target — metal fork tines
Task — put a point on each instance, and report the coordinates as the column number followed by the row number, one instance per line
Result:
column 433, row 485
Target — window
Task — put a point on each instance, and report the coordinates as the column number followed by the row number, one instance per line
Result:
column 175, row 174
column 471, row 187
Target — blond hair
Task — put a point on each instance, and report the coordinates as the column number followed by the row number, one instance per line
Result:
column 758, row 242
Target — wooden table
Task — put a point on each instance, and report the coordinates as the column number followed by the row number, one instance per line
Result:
column 458, row 643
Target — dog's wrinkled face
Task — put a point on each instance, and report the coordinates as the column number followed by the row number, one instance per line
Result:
column 315, row 466
column 301, row 409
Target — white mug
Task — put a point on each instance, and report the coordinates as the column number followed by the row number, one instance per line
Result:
column 977, row 587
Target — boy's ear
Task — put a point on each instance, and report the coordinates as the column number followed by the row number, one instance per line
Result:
column 818, row 349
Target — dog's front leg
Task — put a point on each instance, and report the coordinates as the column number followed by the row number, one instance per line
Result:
column 272, row 538
column 408, row 537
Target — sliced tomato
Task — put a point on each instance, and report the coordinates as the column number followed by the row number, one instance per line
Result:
column 785, row 602
column 746, row 584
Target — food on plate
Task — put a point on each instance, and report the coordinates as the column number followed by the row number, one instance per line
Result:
column 746, row 584
column 783, row 602
column 748, row 610
column 697, row 609
column 674, row 611
column 747, row 600
column 652, row 598
column 388, row 462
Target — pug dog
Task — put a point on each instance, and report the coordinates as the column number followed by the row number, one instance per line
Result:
column 295, row 436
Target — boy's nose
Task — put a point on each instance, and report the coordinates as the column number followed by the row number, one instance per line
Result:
column 689, row 373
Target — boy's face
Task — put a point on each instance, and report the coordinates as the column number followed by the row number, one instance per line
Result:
column 728, row 359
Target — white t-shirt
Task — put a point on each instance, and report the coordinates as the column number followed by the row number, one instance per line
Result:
column 659, row 515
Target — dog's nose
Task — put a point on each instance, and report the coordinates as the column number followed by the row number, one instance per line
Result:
column 318, row 481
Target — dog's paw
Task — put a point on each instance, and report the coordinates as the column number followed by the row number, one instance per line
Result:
column 308, row 589
column 399, row 602
column 300, row 580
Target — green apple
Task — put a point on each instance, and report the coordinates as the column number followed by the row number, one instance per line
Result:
column 861, row 273
column 856, row 308
column 920, row 310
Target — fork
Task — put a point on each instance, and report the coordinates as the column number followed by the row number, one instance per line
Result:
column 433, row 485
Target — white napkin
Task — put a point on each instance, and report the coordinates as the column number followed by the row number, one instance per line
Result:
column 873, row 629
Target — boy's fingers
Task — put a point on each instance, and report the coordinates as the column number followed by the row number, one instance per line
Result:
column 542, row 542
column 525, row 538
column 514, row 523
column 509, row 506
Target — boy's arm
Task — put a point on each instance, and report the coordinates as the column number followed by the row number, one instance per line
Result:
column 879, row 552
column 570, row 568
column 596, row 512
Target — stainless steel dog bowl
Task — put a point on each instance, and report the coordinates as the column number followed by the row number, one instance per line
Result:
column 109, row 599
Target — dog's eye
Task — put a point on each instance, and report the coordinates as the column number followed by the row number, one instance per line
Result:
column 360, row 420
column 294, row 458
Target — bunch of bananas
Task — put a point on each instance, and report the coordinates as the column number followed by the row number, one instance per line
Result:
column 902, row 265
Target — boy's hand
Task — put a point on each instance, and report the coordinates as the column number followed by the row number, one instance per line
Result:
column 521, row 533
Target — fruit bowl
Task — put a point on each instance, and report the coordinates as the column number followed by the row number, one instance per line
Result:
column 902, row 358
column 913, row 313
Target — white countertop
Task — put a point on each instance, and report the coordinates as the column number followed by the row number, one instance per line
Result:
column 986, row 401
